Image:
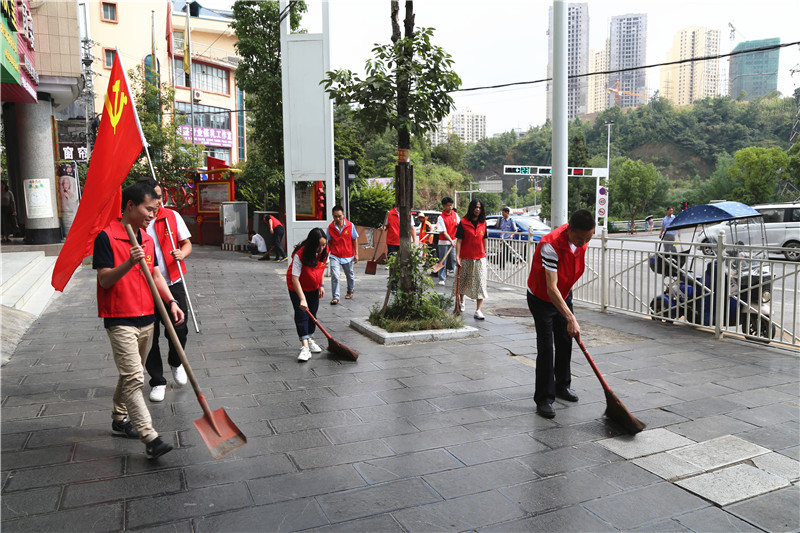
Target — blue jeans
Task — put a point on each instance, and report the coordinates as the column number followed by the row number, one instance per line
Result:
column 442, row 253
column 302, row 322
column 348, row 273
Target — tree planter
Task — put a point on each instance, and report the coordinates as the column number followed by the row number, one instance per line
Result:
column 382, row 336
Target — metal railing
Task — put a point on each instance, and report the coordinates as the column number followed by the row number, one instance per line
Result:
column 757, row 296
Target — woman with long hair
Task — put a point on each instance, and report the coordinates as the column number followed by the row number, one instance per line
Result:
column 471, row 240
column 304, row 279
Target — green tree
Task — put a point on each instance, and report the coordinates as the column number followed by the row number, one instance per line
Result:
column 450, row 153
column 634, row 187
column 759, row 170
column 174, row 160
column 257, row 28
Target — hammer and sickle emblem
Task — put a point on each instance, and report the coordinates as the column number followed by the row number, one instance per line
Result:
column 115, row 112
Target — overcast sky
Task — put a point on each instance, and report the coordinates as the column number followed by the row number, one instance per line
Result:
column 502, row 41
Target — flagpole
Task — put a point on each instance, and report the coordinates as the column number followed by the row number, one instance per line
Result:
column 189, row 56
column 174, row 247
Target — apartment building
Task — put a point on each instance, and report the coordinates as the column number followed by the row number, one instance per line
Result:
column 684, row 83
column 754, row 74
column 470, row 127
column 577, row 60
column 628, row 48
column 598, row 84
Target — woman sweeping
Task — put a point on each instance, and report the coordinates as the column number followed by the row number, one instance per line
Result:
column 304, row 279
column 471, row 256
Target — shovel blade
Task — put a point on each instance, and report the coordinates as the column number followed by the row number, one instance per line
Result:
column 220, row 434
column 372, row 268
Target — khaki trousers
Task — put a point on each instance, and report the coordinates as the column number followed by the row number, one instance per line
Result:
column 130, row 346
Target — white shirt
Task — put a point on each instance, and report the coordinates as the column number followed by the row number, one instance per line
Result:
column 259, row 243
column 550, row 257
column 183, row 234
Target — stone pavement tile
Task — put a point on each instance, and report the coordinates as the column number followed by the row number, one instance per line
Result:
column 658, row 418
column 107, row 446
column 13, row 442
column 62, row 474
column 495, row 449
column 451, row 419
column 279, row 517
column 559, row 491
column 188, row 504
column 462, row 401
column 756, row 381
column 559, row 437
column 395, row 410
column 664, row 526
column 779, row 465
column 205, row 475
column 377, row 374
column 642, row 506
column 567, row 520
column 29, row 502
column 699, row 392
column 512, row 425
column 792, row 453
column 517, row 392
column 667, row 466
column 358, row 387
column 645, row 443
column 775, row 437
column 408, row 465
column 703, row 408
column 710, row 427
column 122, row 488
column 41, row 398
column 568, row 458
column 377, row 499
column 22, row 412
column 314, row 421
column 426, row 440
column 369, row 431
column 302, row 484
column 625, row 475
column 37, row 457
column 494, row 383
column 732, row 484
column 714, row 520
column 776, row 511
column 340, row 454
column 719, row 452
column 760, row 397
column 769, row 415
column 478, row 478
column 107, row 517
column 461, row 514
column 291, row 396
column 424, row 380
column 414, row 393
column 324, row 405
column 383, row 523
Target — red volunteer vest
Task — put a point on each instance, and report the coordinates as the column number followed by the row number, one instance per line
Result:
column 130, row 296
column 425, row 235
column 450, row 223
column 275, row 222
column 472, row 242
column 341, row 244
column 393, row 223
column 570, row 265
column 164, row 218
column 310, row 277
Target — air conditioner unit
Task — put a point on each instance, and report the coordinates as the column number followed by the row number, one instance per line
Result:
column 197, row 95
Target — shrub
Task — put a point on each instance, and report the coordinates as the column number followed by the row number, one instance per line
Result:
column 368, row 205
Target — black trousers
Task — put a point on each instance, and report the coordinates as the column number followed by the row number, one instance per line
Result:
column 277, row 235
column 305, row 326
column 153, row 364
column 552, row 369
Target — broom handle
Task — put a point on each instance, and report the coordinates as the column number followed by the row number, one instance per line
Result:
column 375, row 253
column 594, row 366
column 328, row 335
column 167, row 320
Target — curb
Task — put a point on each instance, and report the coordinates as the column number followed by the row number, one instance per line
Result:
column 382, row 336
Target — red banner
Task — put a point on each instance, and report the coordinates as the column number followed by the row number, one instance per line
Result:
column 119, row 144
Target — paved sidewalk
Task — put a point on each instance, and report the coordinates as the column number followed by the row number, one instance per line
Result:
column 424, row 437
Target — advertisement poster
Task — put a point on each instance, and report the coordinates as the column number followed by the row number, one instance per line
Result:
column 67, row 193
column 38, row 199
column 212, row 195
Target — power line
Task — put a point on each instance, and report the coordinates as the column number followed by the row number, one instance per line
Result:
column 629, row 69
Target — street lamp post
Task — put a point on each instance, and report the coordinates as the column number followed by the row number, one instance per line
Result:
column 516, row 189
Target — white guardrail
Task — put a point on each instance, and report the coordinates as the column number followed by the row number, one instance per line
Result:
column 759, row 299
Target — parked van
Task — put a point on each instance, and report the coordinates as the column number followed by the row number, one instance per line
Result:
column 782, row 226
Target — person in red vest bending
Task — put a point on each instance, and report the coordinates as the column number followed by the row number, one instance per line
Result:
column 277, row 230
column 167, row 229
column 557, row 264
column 471, row 239
column 392, row 225
column 304, row 279
column 342, row 236
column 126, row 305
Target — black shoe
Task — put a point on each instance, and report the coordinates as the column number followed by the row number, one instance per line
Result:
column 157, row 448
column 546, row 410
column 124, row 428
column 567, row 394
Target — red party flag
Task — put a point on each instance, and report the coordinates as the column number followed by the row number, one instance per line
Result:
column 169, row 29
column 119, row 143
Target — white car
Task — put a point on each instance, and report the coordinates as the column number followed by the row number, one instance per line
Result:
column 781, row 224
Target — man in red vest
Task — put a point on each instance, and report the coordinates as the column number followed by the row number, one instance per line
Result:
column 392, row 225
column 446, row 225
column 126, row 305
column 343, row 252
column 557, row 264
column 277, row 231
column 171, row 236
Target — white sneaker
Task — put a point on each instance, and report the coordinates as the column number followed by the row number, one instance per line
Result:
column 157, row 393
column 441, row 283
column 479, row 315
column 179, row 375
column 305, row 354
column 313, row 346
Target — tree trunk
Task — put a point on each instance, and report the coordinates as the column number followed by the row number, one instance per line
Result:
column 404, row 174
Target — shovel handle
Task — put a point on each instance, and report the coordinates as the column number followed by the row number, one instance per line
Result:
column 594, row 366
column 167, row 320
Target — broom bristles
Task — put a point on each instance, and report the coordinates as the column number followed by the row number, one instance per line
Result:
column 619, row 414
column 341, row 350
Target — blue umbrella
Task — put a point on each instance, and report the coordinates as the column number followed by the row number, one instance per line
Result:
column 712, row 214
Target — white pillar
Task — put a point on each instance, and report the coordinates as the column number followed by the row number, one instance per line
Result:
column 558, row 200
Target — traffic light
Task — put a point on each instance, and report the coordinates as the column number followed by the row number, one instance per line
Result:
column 319, row 199
column 684, row 206
column 350, row 172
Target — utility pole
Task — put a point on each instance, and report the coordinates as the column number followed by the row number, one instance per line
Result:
column 558, row 203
